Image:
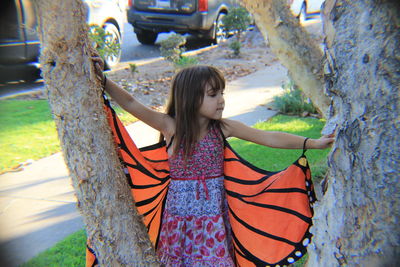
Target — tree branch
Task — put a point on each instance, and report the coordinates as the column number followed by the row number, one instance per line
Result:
column 293, row 46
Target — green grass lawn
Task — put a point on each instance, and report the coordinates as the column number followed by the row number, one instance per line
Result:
column 27, row 131
column 71, row 251
column 274, row 159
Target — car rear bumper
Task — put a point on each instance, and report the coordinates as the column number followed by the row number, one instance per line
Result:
column 14, row 72
column 161, row 22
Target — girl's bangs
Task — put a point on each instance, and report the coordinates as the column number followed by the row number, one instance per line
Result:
column 216, row 80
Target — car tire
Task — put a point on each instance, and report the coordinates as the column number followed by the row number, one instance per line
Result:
column 32, row 75
column 114, row 38
column 146, row 37
column 217, row 31
column 303, row 13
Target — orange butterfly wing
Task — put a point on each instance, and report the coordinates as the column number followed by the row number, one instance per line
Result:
column 269, row 212
column 147, row 171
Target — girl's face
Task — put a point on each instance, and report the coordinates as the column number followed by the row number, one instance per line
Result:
column 213, row 104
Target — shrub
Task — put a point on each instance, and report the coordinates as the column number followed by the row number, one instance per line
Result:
column 171, row 48
column 236, row 21
column 133, row 68
column 102, row 43
column 293, row 101
column 185, row 61
column 235, row 46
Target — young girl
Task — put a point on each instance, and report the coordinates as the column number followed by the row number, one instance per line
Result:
column 195, row 227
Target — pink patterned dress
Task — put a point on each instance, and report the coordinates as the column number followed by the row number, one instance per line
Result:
column 195, row 229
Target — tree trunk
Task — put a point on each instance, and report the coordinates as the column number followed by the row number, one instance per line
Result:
column 293, row 46
column 357, row 221
column 114, row 228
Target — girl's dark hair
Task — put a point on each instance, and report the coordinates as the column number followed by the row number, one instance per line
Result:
column 186, row 96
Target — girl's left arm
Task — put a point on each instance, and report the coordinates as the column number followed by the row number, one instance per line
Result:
column 237, row 129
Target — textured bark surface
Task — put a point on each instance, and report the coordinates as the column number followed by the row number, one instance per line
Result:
column 104, row 200
column 357, row 221
column 290, row 42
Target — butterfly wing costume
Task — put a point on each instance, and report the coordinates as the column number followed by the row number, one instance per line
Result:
column 270, row 213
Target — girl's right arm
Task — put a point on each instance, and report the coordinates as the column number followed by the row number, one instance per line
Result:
column 157, row 120
column 273, row 139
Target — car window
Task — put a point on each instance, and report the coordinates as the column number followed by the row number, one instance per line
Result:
column 29, row 19
column 9, row 21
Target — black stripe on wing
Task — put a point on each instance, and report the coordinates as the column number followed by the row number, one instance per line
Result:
column 298, row 252
column 145, row 171
column 281, row 190
column 156, row 161
column 161, row 220
column 151, row 199
column 260, row 232
column 272, row 207
column 248, row 182
column 255, row 168
column 245, row 253
column 245, row 162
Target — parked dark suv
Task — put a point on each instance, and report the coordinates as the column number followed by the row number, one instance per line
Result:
column 199, row 17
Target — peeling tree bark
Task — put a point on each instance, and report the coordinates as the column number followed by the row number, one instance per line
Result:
column 293, row 46
column 114, row 228
column 356, row 222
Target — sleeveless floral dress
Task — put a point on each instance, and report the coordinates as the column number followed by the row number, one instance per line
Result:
column 195, row 229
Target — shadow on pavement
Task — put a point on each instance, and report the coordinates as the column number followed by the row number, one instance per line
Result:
column 19, row 250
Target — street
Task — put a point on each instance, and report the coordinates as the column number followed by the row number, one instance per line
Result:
column 131, row 50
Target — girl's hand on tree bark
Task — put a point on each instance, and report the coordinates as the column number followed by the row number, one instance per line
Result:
column 324, row 142
column 98, row 67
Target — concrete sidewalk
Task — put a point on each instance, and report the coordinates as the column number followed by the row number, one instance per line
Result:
column 37, row 205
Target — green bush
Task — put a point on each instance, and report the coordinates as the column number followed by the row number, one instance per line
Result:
column 235, row 46
column 185, row 61
column 237, row 20
column 102, row 43
column 171, row 48
column 293, row 101
column 133, row 68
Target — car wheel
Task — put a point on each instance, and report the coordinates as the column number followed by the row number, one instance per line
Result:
column 303, row 13
column 219, row 35
column 114, row 37
column 32, row 74
column 147, row 37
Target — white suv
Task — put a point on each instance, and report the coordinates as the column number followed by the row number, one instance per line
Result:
column 304, row 8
